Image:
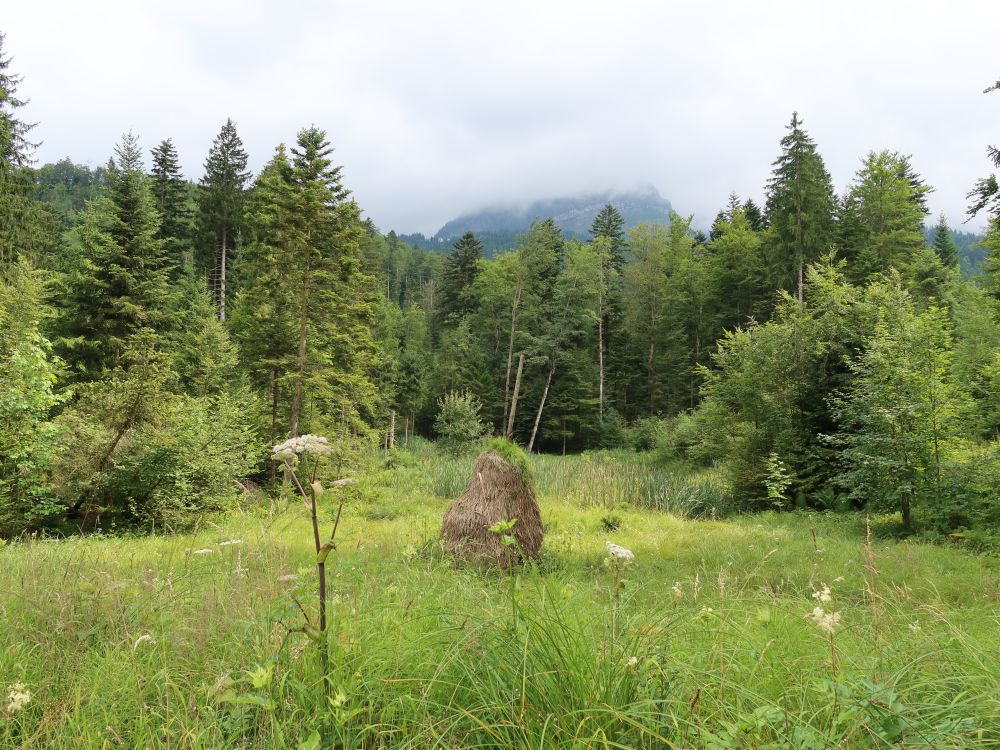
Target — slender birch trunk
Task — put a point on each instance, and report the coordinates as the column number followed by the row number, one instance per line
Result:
column 541, row 406
column 509, row 433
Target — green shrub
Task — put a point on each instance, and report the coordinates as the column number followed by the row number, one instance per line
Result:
column 646, row 433
column 458, row 423
column 676, row 438
column 133, row 449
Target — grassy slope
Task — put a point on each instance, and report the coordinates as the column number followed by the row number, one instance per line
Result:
column 429, row 655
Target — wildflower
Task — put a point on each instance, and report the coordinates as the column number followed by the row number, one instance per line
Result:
column 291, row 449
column 823, row 595
column 915, row 627
column 827, row 621
column 620, row 553
column 287, row 577
column 18, row 698
column 230, row 542
column 205, row 551
column 144, row 638
column 633, row 661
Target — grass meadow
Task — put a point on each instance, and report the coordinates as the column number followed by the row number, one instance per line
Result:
column 711, row 639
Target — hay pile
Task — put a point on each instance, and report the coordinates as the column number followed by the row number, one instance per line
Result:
column 499, row 490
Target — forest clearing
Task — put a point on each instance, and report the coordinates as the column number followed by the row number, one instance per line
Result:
column 534, row 376
column 182, row 641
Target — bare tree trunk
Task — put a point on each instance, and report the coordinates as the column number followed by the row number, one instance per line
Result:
column 600, row 354
column 222, row 278
column 509, row 433
column 392, row 431
column 300, row 363
column 510, row 349
column 649, row 378
column 541, row 406
column 274, row 419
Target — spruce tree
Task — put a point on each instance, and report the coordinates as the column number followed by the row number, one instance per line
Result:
column 170, row 190
column 610, row 224
column 456, row 293
column 986, row 193
column 263, row 320
column 734, row 269
column 120, row 286
column 799, row 210
column 335, row 300
column 306, row 310
column 15, row 148
column 220, row 208
column 889, row 201
column 608, row 232
column 27, row 227
column 755, row 217
column 944, row 244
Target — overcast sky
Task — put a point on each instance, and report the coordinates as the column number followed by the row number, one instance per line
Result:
column 436, row 108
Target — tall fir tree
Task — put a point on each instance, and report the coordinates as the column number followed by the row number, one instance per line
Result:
column 944, row 244
column 610, row 224
column 734, row 271
column 220, row 209
column 889, row 202
column 456, row 297
column 15, row 148
column 755, row 217
column 120, row 286
column 799, row 210
column 170, row 190
column 26, row 226
column 263, row 320
column 307, row 310
column 608, row 234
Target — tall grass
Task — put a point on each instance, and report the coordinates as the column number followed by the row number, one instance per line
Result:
column 148, row 642
column 607, row 479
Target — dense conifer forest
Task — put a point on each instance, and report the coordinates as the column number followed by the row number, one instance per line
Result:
column 159, row 329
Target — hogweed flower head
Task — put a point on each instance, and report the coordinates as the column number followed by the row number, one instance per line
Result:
column 619, row 554
column 290, row 450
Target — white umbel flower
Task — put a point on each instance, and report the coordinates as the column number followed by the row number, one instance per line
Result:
column 291, row 449
column 619, row 553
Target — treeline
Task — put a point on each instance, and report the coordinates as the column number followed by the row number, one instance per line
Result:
column 157, row 333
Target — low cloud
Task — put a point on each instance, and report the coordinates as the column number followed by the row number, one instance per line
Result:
column 440, row 108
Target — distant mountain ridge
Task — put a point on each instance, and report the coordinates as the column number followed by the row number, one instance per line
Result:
column 498, row 227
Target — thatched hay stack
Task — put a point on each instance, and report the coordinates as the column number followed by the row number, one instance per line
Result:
column 499, row 490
